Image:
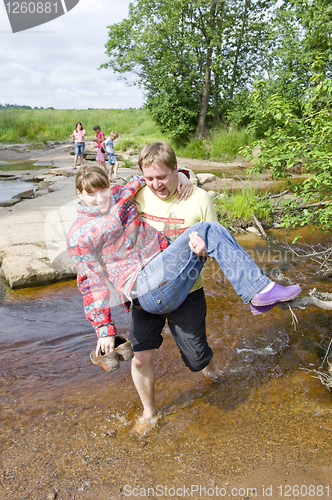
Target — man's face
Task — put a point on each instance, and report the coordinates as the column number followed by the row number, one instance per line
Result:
column 161, row 180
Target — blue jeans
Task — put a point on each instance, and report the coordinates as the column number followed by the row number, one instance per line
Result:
column 79, row 148
column 164, row 283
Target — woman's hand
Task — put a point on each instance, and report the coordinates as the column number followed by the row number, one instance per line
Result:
column 105, row 345
column 184, row 187
column 197, row 244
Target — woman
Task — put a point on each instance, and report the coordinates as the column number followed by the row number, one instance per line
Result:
column 79, row 138
column 109, row 242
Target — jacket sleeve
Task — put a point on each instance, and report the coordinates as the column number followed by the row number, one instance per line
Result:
column 93, row 287
column 133, row 186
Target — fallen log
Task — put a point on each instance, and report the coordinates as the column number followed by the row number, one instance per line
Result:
column 317, row 299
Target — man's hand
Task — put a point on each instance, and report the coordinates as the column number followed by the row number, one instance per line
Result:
column 197, row 244
column 184, row 187
column 105, row 345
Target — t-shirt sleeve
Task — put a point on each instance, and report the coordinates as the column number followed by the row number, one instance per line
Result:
column 208, row 211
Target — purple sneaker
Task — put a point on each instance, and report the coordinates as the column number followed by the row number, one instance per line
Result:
column 278, row 293
column 262, row 309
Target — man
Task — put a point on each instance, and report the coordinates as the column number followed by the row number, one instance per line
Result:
column 160, row 207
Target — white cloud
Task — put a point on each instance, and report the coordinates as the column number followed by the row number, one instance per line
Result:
column 56, row 64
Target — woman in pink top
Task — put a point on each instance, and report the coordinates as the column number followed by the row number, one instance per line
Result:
column 100, row 137
column 78, row 136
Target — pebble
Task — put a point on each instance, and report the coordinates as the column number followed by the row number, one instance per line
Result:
column 51, row 496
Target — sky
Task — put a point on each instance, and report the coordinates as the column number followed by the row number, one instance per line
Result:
column 55, row 64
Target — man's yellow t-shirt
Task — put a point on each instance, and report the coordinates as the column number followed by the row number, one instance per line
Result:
column 173, row 216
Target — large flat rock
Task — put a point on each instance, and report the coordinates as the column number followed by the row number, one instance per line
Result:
column 33, row 248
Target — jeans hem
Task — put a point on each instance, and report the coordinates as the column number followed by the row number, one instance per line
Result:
column 256, row 287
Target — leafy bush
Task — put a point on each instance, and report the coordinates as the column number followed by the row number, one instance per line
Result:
column 305, row 140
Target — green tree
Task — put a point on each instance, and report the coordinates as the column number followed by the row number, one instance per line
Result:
column 303, row 29
column 306, row 140
column 190, row 57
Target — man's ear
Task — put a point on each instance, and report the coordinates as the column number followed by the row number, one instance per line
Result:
column 176, row 169
column 78, row 193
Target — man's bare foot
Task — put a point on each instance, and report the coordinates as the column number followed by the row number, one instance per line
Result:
column 144, row 425
column 212, row 376
column 211, row 372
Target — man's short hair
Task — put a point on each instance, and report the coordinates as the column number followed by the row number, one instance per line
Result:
column 157, row 152
column 96, row 127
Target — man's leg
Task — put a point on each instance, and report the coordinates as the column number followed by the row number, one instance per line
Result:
column 145, row 336
column 142, row 371
column 187, row 324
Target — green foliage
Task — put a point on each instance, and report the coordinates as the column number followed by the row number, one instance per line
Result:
column 190, row 55
column 305, row 140
column 192, row 149
column 127, row 164
column 226, row 144
column 241, row 206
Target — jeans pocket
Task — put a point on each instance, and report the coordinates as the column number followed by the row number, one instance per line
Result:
column 161, row 299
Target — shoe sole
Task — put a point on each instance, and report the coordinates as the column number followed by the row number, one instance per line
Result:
column 105, row 362
column 295, row 294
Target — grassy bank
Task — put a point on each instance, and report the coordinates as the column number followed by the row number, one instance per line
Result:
column 41, row 125
column 135, row 128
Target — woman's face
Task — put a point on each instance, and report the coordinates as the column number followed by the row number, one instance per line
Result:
column 79, row 126
column 99, row 198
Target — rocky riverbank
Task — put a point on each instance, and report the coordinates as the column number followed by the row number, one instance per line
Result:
column 34, row 223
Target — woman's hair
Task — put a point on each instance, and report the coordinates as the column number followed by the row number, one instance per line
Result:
column 78, row 123
column 91, row 177
column 157, row 152
column 114, row 134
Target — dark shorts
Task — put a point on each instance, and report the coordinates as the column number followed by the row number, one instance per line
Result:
column 187, row 324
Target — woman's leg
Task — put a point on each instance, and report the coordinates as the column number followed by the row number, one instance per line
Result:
column 75, row 162
column 164, row 282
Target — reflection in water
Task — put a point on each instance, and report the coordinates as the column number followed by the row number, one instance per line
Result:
column 65, row 424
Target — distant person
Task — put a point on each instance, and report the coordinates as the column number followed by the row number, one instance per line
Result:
column 79, row 137
column 113, row 162
column 99, row 140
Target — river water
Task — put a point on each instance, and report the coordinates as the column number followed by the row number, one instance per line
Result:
column 10, row 188
column 66, row 425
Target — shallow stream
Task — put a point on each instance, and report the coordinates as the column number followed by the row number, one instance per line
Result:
column 10, row 188
column 66, row 426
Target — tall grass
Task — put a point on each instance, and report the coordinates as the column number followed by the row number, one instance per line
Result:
column 220, row 145
column 40, row 125
column 226, row 144
column 241, row 206
column 135, row 128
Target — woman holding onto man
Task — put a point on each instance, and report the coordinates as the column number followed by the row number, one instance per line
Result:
column 109, row 242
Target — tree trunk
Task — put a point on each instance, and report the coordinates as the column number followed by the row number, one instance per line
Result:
column 238, row 48
column 201, row 125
